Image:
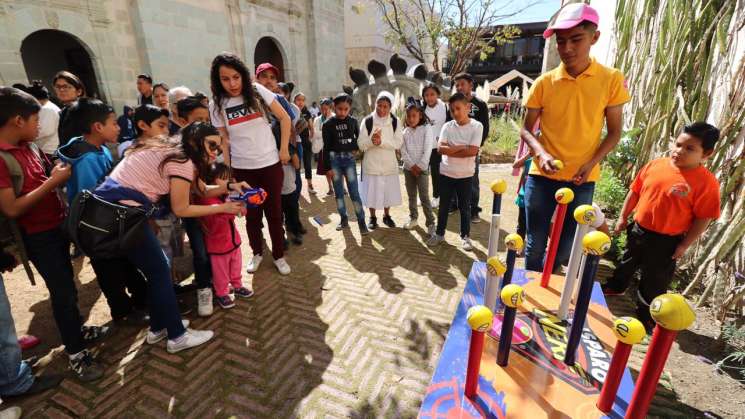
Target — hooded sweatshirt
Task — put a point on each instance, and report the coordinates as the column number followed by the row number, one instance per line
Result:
column 90, row 165
column 126, row 126
column 381, row 159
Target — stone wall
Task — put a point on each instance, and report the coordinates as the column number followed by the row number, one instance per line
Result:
column 175, row 40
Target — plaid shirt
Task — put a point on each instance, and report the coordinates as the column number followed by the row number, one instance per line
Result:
column 417, row 147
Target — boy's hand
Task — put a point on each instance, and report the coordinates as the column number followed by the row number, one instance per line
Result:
column 239, row 186
column 60, row 173
column 416, row 171
column 547, row 163
column 621, row 226
column 232, row 207
column 583, row 172
column 680, row 251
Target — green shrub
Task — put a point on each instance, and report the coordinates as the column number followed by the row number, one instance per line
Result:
column 504, row 135
column 610, row 193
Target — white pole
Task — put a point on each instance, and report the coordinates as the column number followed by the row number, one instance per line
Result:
column 573, row 269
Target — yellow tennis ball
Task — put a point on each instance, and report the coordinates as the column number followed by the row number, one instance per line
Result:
column 499, row 186
column 564, row 195
column 558, row 164
column 480, row 318
column 495, row 266
column 629, row 330
column 585, row 214
column 672, row 312
column 512, row 295
column 596, row 243
column 513, row 241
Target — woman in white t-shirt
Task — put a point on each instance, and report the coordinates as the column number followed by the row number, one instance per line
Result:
column 437, row 113
column 240, row 110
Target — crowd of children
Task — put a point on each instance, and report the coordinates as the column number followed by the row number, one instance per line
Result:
column 180, row 155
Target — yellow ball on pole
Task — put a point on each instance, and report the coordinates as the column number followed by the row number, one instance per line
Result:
column 585, row 214
column 629, row 330
column 514, row 241
column 596, row 243
column 480, row 318
column 499, row 186
column 564, row 196
column 672, row 312
column 512, row 295
column 496, row 266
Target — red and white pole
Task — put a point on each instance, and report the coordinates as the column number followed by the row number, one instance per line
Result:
column 629, row 332
column 480, row 319
column 672, row 314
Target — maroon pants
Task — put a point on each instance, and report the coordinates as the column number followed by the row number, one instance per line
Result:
column 270, row 179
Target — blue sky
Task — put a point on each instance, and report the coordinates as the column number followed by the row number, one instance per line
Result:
column 540, row 12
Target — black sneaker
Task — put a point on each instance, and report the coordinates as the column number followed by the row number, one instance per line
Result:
column 387, row 220
column 184, row 308
column 343, row 224
column 85, row 367
column 94, row 333
column 373, row 224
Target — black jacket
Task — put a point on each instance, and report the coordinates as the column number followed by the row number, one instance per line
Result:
column 339, row 135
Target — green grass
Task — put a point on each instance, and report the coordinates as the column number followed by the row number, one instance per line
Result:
column 503, row 136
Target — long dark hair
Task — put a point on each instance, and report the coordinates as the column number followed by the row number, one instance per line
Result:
column 413, row 104
column 192, row 146
column 218, row 92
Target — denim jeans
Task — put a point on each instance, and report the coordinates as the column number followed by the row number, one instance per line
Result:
column 434, row 168
column 539, row 206
column 344, row 166
column 475, row 191
column 49, row 251
column 15, row 375
column 449, row 188
column 202, row 267
column 298, row 176
column 152, row 262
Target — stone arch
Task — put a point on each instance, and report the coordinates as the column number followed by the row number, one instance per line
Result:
column 47, row 51
column 269, row 49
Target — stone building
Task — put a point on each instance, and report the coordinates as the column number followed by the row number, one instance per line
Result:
column 108, row 42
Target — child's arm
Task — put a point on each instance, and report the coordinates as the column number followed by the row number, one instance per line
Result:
column 429, row 140
column 365, row 140
column 295, row 161
column 545, row 160
column 613, row 118
column 632, row 198
column 697, row 229
column 13, row 207
column 521, row 161
column 405, row 157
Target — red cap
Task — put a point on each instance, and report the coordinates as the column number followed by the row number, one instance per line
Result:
column 572, row 15
column 266, row 66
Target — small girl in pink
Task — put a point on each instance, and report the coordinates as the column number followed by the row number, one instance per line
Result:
column 223, row 244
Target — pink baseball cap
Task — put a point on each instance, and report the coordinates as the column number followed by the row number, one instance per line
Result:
column 266, row 66
column 572, row 15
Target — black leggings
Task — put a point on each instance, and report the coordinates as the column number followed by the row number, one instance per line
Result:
column 308, row 159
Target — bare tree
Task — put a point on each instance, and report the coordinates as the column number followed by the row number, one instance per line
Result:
column 469, row 27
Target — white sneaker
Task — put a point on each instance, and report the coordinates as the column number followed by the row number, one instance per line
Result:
column 435, row 240
column 466, row 244
column 282, row 266
column 155, row 337
column 411, row 224
column 189, row 339
column 204, row 302
column 431, row 229
column 13, row 412
column 253, row 264
column 435, row 202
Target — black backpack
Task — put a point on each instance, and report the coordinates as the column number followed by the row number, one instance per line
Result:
column 369, row 123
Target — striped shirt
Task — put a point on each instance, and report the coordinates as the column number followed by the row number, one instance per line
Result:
column 417, row 147
column 139, row 170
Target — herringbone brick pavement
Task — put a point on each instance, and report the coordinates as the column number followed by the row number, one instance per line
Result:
column 354, row 331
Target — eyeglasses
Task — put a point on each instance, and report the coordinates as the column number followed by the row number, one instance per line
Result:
column 63, row 87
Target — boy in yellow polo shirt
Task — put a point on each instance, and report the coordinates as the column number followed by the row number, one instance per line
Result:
column 572, row 101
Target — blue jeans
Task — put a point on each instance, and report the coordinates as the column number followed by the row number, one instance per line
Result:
column 49, row 251
column 539, row 206
column 344, row 167
column 202, row 267
column 475, row 191
column 298, row 177
column 450, row 188
column 15, row 375
column 152, row 262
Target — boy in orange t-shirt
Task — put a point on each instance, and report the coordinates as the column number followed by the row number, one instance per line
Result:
column 674, row 199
